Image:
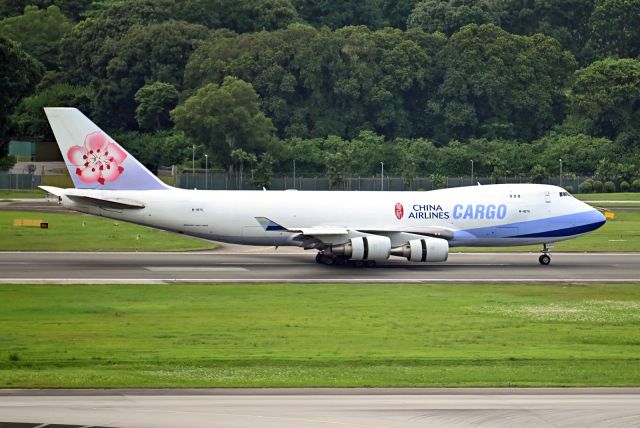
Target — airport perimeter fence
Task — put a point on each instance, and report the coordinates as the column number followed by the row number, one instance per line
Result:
column 20, row 181
column 222, row 181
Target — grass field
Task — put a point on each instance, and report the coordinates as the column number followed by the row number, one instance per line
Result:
column 8, row 195
column 630, row 196
column 79, row 232
column 319, row 335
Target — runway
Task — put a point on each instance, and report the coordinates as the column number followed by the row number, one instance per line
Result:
column 294, row 265
column 324, row 408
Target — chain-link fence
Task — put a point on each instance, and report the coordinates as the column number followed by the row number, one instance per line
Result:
column 222, row 181
column 19, row 181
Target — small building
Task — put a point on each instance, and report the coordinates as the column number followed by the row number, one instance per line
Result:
column 24, row 151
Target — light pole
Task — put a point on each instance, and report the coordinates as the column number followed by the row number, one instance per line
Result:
column 294, row 174
column 193, row 164
column 381, row 176
column 206, row 171
column 560, row 172
column 472, row 172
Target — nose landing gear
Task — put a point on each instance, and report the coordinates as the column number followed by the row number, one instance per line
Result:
column 545, row 258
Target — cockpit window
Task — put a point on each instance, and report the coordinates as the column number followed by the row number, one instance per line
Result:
column 565, row 194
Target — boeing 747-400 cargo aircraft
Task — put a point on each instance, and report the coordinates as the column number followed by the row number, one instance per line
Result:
column 356, row 227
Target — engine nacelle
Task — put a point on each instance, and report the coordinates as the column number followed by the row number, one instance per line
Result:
column 424, row 250
column 372, row 247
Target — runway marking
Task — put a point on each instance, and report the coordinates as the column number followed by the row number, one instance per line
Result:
column 194, row 269
column 221, row 252
column 360, row 280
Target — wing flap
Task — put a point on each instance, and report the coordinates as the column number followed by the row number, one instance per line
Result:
column 270, row 225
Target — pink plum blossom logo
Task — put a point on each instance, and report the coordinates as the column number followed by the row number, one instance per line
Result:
column 98, row 159
column 399, row 210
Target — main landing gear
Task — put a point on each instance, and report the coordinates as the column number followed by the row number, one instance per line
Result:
column 329, row 260
column 545, row 258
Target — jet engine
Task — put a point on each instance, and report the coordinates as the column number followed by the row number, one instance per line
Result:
column 371, row 247
column 423, row 250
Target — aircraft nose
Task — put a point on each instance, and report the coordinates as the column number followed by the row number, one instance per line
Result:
column 597, row 219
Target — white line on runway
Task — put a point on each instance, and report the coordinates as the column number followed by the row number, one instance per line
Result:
column 143, row 281
column 193, row 269
column 237, row 253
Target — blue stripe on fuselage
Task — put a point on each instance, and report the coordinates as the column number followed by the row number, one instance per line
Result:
column 553, row 227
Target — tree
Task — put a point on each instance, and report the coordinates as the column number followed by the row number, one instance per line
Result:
column 538, row 174
column 19, row 75
column 156, row 52
column 263, row 171
column 565, row 20
column 448, row 16
column 162, row 148
column 82, row 51
column 155, row 101
column 239, row 156
column 224, row 118
column 580, row 153
column 240, row 16
column 29, row 119
column 39, row 32
column 340, row 13
column 321, row 82
column 74, row 9
column 13, row 7
column 499, row 85
column 605, row 97
column 616, row 27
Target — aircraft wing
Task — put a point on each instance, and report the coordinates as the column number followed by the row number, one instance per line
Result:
column 318, row 232
column 270, row 226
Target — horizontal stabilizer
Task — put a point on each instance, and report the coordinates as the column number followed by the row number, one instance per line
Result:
column 115, row 203
column 56, row 191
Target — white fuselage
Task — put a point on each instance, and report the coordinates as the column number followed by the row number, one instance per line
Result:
column 494, row 215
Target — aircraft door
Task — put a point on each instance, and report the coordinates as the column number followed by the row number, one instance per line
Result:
column 547, row 197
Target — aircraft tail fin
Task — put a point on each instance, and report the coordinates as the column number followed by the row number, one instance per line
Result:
column 95, row 160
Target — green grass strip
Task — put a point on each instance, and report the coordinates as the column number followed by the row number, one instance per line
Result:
column 80, row 232
column 319, row 335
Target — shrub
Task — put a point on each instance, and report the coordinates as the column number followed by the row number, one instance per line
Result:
column 609, row 187
column 625, row 186
column 635, row 185
column 7, row 162
column 569, row 188
column 586, row 186
column 14, row 356
column 597, row 186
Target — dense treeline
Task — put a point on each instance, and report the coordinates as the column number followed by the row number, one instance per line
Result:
column 338, row 86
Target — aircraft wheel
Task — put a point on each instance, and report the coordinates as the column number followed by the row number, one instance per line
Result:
column 370, row 263
column 319, row 258
column 327, row 260
column 358, row 263
column 340, row 260
column 544, row 259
